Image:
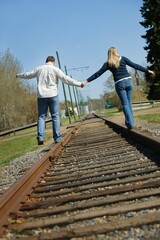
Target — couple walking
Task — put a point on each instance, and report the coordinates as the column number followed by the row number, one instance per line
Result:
column 47, row 89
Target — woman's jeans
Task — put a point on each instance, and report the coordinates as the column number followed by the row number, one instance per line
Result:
column 124, row 90
column 53, row 104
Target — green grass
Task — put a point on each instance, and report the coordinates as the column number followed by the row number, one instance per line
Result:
column 109, row 112
column 65, row 121
column 153, row 118
column 21, row 142
column 18, row 146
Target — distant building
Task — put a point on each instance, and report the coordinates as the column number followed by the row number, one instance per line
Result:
column 75, row 110
column 84, row 109
column 62, row 113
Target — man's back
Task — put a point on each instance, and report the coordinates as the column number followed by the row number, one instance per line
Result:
column 46, row 81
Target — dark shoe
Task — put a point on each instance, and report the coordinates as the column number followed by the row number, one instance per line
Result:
column 129, row 127
column 40, row 142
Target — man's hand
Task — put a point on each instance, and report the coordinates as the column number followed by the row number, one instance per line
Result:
column 84, row 83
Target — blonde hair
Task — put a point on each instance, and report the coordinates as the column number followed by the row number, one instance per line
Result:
column 113, row 57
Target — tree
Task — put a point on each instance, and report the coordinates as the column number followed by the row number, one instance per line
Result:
column 139, row 87
column 110, row 95
column 17, row 104
column 150, row 11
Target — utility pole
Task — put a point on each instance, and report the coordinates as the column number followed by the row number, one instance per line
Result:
column 70, row 95
column 75, row 91
column 64, row 90
column 76, row 101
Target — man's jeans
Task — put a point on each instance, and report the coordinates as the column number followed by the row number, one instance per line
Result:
column 53, row 104
column 124, row 90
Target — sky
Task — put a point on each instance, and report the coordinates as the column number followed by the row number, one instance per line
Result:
column 81, row 31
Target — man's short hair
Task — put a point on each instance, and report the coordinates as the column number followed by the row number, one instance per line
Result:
column 50, row 59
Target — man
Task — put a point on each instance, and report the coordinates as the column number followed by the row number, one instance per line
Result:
column 47, row 95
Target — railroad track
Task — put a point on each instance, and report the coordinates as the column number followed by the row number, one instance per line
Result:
column 101, row 182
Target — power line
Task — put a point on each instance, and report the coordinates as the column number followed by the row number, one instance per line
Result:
column 78, row 68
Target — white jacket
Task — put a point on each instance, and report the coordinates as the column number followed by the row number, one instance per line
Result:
column 47, row 79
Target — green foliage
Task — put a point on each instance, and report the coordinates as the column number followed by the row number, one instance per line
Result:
column 150, row 11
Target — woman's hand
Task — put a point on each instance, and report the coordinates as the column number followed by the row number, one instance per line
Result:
column 151, row 72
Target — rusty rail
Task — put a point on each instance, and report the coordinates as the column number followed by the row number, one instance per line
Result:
column 149, row 141
column 96, row 173
column 13, row 199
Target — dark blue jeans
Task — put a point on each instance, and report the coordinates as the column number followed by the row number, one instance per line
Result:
column 53, row 105
column 124, row 90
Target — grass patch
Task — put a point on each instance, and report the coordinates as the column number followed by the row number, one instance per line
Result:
column 108, row 112
column 153, row 118
column 16, row 147
column 65, row 121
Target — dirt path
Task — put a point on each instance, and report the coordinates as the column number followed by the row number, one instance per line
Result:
column 142, row 125
column 119, row 118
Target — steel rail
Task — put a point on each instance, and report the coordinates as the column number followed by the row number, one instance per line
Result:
column 14, row 130
column 144, row 139
column 13, row 199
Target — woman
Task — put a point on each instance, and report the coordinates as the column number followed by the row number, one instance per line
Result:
column 118, row 66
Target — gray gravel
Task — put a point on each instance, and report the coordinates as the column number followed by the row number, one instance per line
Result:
column 16, row 168
column 9, row 174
